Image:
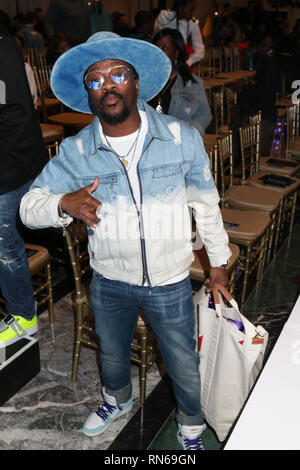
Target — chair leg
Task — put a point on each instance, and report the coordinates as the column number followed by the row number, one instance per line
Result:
column 50, row 294
column 77, row 345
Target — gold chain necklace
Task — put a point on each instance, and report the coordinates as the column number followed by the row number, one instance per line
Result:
column 123, row 157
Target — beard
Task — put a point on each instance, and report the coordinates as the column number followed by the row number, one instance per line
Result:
column 98, row 108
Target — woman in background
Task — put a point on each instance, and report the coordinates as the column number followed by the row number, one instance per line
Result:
column 183, row 95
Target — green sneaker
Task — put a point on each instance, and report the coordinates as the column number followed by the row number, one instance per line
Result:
column 15, row 327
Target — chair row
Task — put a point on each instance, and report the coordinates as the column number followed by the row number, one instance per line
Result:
column 256, row 210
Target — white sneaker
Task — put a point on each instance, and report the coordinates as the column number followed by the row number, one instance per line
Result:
column 190, row 437
column 98, row 421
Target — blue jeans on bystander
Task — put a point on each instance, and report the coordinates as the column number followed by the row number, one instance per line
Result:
column 15, row 282
column 170, row 312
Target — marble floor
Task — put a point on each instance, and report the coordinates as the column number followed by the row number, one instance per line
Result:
column 49, row 411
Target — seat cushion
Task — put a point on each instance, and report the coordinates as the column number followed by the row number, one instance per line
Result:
column 200, row 266
column 260, row 199
column 282, row 170
column 211, row 139
column 38, row 259
column 78, row 120
column 51, row 131
column 247, row 225
column 255, row 181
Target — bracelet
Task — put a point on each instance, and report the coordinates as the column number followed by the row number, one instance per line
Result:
column 61, row 213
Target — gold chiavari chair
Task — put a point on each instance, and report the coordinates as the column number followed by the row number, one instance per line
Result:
column 286, row 186
column 199, row 270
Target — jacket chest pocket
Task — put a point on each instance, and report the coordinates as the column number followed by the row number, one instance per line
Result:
column 167, row 183
column 108, row 187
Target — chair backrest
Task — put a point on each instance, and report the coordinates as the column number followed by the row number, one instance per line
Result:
column 29, row 57
column 290, row 128
column 42, row 78
column 212, row 153
column 40, row 54
column 215, row 59
column 218, row 98
column 76, row 241
column 225, row 164
column 231, row 102
column 250, row 139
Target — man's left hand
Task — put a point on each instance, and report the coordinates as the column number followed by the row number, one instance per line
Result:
column 216, row 275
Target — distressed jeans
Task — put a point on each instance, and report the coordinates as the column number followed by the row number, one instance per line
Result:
column 15, row 282
column 170, row 312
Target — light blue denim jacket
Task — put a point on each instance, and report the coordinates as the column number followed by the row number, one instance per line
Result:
column 189, row 103
column 134, row 243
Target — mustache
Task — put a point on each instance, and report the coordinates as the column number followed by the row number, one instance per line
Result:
column 114, row 93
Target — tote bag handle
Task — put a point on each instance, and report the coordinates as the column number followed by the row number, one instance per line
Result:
column 218, row 287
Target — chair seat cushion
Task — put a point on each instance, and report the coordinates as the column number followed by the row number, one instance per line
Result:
column 211, row 139
column 50, row 131
column 38, row 259
column 255, row 181
column 48, row 102
column 200, row 266
column 249, row 225
column 255, row 198
column 282, row 170
column 72, row 119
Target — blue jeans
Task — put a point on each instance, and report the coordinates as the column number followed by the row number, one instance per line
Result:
column 170, row 312
column 15, row 281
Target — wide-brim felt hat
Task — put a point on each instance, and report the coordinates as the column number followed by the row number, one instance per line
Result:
column 151, row 64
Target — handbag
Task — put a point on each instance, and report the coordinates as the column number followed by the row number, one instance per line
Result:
column 100, row 21
column 231, row 353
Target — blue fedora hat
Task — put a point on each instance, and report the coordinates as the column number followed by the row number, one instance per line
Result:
column 66, row 81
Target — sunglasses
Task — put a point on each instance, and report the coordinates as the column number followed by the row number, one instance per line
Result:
column 119, row 74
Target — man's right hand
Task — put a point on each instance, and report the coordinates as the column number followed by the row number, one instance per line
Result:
column 82, row 205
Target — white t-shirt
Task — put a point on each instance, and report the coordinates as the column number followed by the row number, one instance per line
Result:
column 121, row 145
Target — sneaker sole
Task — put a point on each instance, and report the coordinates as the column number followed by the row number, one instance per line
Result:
column 97, row 433
column 29, row 332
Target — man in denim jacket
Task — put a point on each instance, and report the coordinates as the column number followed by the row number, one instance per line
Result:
column 131, row 175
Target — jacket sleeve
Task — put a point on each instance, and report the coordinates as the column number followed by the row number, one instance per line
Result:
column 197, row 43
column 39, row 206
column 204, row 199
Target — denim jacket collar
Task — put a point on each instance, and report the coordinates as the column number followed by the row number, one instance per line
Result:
column 156, row 129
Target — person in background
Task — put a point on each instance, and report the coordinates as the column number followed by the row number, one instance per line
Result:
column 22, row 158
column 69, row 17
column 183, row 96
column 138, row 171
column 40, row 22
column 181, row 18
column 144, row 26
column 57, row 46
column 29, row 36
column 18, row 22
column 261, row 95
column 120, row 23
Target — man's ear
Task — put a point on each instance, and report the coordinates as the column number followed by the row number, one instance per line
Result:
column 137, row 86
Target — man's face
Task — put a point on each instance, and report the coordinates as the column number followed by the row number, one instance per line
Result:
column 110, row 99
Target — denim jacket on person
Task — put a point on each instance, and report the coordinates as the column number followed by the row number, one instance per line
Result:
column 189, row 103
column 133, row 243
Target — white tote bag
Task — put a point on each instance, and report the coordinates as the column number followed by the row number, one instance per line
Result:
column 230, row 359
